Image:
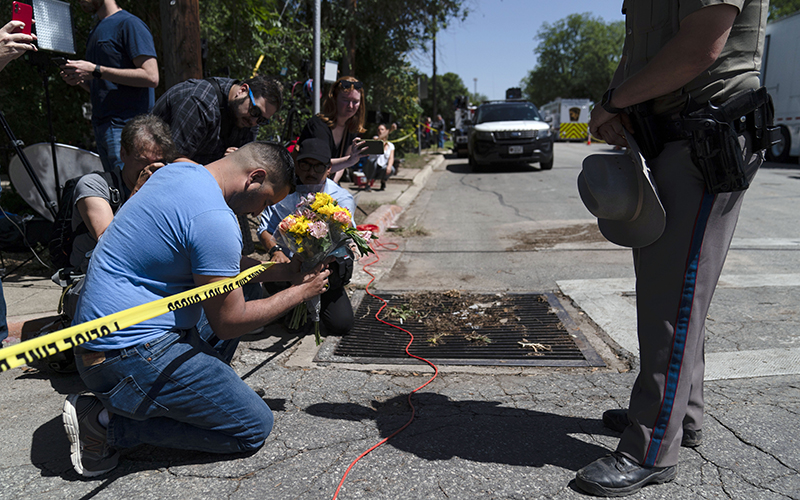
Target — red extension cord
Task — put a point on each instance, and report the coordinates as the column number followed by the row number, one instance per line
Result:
column 435, row 369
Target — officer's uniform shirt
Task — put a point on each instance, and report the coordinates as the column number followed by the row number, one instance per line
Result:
column 650, row 25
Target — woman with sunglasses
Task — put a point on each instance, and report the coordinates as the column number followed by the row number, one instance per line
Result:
column 341, row 120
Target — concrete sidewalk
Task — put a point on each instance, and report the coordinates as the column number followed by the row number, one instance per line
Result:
column 478, row 433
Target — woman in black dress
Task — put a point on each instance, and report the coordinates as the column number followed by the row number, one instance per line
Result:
column 341, row 120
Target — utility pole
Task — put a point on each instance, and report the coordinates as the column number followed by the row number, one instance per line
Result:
column 180, row 36
column 435, row 111
column 475, row 94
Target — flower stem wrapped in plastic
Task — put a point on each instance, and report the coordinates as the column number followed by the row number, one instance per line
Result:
column 319, row 228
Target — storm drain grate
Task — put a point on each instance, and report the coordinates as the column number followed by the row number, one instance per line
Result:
column 476, row 329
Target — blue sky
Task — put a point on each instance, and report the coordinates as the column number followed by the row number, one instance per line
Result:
column 495, row 44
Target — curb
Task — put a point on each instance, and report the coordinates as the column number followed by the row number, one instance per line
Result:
column 386, row 215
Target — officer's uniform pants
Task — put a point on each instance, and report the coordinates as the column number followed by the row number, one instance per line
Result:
column 675, row 280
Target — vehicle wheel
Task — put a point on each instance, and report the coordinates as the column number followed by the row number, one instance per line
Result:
column 546, row 165
column 780, row 152
column 473, row 165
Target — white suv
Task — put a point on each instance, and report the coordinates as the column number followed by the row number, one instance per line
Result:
column 510, row 132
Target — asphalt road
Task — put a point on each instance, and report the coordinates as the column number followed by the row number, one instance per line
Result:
column 482, row 432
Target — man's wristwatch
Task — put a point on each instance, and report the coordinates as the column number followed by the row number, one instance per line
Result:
column 276, row 248
column 96, row 74
column 605, row 103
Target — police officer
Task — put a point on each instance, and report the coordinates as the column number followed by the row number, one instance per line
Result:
column 679, row 56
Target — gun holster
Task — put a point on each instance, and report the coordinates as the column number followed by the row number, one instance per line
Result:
column 713, row 133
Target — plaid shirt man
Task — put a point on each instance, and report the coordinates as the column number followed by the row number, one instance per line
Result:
column 201, row 122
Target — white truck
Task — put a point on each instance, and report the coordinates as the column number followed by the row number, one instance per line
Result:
column 464, row 113
column 568, row 118
column 780, row 73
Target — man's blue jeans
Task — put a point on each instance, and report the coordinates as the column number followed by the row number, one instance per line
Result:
column 108, row 136
column 177, row 392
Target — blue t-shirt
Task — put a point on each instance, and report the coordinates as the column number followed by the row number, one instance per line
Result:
column 274, row 214
column 115, row 42
column 177, row 225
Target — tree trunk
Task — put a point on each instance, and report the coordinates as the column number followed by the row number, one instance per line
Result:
column 180, row 35
column 349, row 63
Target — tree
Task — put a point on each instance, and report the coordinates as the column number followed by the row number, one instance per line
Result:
column 577, row 57
column 236, row 34
column 450, row 86
column 782, row 8
column 477, row 99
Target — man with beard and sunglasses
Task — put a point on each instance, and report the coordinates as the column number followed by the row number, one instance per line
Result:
column 211, row 118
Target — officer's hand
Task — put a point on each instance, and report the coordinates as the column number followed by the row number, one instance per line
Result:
column 613, row 131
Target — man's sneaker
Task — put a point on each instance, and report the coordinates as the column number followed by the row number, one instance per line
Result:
column 89, row 450
column 617, row 420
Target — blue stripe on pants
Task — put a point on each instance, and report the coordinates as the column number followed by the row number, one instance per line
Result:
column 681, row 329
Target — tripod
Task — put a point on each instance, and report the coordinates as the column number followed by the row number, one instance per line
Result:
column 17, row 144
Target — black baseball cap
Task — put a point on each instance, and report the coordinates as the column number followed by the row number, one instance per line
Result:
column 317, row 149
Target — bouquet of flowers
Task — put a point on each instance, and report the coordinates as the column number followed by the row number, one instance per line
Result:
column 319, row 228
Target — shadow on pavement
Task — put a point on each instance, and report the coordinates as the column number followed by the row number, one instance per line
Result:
column 480, row 431
column 501, row 168
column 62, row 383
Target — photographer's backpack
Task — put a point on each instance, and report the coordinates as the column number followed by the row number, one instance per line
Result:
column 63, row 236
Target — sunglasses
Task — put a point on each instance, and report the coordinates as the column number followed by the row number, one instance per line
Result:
column 346, row 84
column 317, row 167
column 255, row 111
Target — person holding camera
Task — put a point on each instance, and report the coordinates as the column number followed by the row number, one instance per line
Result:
column 312, row 167
column 341, row 120
column 120, row 72
column 381, row 166
column 14, row 43
column 682, row 60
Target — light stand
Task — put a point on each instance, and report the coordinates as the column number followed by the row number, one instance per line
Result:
column 54, row 32
column 42, row 63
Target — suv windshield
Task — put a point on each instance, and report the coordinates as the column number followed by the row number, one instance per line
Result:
column 507, row 112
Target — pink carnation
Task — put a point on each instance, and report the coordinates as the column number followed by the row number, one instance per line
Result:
column 286, row 224
column 318, row 229
column 342, row 218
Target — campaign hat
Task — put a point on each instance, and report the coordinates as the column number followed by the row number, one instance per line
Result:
column 619, row 190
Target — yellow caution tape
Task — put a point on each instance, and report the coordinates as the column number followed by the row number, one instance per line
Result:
column 62, row 340
column 258, row 65
column 404, row 137
column 437, row 130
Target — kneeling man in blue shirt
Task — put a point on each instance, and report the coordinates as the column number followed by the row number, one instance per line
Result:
column 160, row 382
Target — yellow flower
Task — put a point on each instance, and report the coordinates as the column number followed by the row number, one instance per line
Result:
column 321, row 200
